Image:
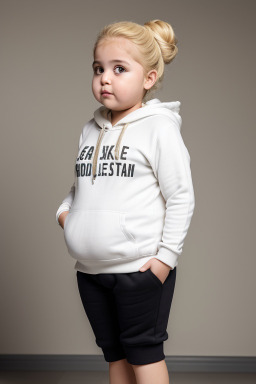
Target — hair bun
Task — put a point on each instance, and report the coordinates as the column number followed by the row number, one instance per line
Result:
column 165, row 37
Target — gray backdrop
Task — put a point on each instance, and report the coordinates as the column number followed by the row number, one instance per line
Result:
column 46, row 99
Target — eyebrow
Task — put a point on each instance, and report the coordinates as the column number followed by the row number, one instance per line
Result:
column 111, row 61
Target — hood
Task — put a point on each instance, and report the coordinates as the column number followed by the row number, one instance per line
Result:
column 152, row 107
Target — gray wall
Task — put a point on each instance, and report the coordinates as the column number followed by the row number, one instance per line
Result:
column 46, row 99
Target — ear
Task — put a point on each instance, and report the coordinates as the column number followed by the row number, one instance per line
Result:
column 150, row 79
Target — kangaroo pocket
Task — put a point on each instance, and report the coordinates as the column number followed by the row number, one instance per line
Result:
column 98, row 234
column 146, row 228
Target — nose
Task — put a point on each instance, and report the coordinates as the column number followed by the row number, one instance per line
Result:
column 106, row 77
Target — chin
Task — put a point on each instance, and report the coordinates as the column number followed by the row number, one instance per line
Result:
column 106, row 103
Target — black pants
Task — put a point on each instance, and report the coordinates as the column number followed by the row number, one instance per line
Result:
column 128, row 313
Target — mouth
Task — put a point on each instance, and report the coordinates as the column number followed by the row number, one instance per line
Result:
column 106, row 93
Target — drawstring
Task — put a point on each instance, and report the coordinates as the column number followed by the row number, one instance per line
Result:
column 119, row 141
column 95, row 157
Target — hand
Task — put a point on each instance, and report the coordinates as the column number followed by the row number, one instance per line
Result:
column 62, row 218
column 160, row 269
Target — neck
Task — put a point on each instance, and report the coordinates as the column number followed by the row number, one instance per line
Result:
column 118, row 115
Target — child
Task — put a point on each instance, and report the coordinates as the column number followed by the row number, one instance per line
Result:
column 128, row 212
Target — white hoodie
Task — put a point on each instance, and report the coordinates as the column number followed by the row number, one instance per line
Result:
column 132, row 198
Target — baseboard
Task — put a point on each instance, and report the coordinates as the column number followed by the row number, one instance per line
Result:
column 97, row 363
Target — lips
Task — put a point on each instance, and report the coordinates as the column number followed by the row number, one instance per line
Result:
column 106, row 93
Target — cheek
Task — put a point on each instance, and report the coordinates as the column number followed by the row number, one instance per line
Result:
column 95, row 81
column 95, row 87
column 131, row 84
column 135, row 87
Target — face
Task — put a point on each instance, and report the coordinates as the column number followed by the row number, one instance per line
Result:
column 118, row 73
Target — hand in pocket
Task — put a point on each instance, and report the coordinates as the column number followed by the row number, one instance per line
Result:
column 62, row 218
column 158, row 268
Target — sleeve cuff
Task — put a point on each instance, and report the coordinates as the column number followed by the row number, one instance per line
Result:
column 168, row 257
column 64, row 207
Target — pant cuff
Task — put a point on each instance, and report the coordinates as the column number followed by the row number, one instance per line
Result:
column 113, row 354
column 145, row 354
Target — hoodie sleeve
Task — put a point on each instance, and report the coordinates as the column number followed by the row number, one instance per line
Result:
column 67, row 202
column 171, row 165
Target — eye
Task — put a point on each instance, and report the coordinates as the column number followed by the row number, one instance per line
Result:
column 118, row 67
column 97, row 70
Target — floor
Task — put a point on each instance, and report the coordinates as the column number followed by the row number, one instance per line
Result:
column 92, row 377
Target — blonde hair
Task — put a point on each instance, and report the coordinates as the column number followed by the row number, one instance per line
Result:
column 155, row 41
